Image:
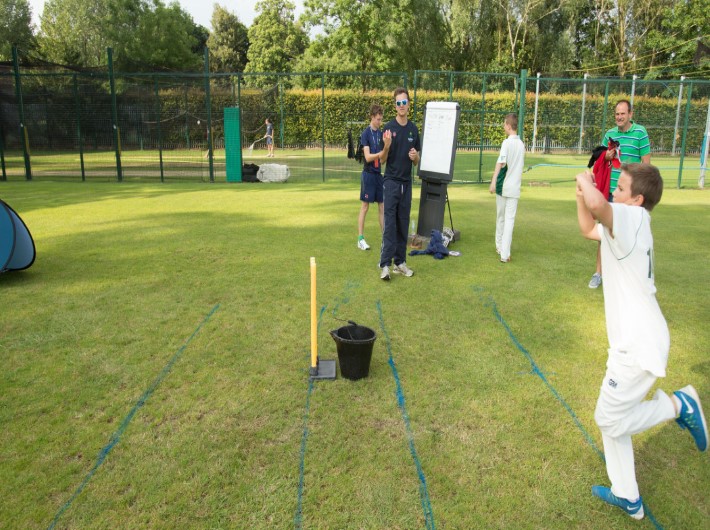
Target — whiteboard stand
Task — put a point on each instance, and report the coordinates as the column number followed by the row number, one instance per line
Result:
column 436, row 167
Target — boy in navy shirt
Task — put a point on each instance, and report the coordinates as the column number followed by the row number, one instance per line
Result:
column 371, row 190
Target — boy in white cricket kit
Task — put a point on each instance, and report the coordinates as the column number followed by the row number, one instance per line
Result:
column 505, row 183
column 637, row 331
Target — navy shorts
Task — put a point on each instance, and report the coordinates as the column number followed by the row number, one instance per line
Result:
column 269, row 140
column 371, row 187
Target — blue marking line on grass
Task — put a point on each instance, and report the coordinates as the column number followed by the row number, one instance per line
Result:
column 298, row 518
column 423, row 491
column 345, row 297
column 116, row 436
column 489, row 302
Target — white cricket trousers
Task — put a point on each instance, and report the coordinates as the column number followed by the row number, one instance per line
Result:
column 622, row 412
column 506, row 207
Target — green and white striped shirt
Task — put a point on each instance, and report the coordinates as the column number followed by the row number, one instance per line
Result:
column 633, row 144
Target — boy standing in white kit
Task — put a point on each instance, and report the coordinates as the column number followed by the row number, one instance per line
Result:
column 505, row 183
column 638, row 335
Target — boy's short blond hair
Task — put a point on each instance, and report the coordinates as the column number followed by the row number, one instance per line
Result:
column 646, row 180
column 511, row 121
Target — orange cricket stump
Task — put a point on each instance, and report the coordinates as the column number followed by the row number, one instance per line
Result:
column 320, row 369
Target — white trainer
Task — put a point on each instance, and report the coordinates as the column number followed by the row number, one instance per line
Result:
column 403, row 269
column 362, row 244
column 385, row 273
column 596, row 281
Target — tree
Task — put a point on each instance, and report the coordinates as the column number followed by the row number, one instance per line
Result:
column 200, row 35
column 522, row 20
column 15, row 27
column 144, row 34
column 275, row 40
column 72, row 32
column 473, row 36
column 377, row 36
column 228, row 42
column 680, row 43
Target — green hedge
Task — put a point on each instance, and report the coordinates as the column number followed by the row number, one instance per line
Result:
column 305, row 118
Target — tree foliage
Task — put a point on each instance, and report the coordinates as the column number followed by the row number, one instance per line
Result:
column 555, row 37
column 276, row 41
column 228, row 42
column 15, row 27
column 376, row 35
column 562, row 38
column 144, row 34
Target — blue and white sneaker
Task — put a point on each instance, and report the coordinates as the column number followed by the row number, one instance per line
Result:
column 633, row 509
column 691, row 416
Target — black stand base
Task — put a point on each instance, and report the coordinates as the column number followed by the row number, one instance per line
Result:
column 432, row 205
column 325, row 369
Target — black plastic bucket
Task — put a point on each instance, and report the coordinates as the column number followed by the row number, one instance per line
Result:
column 354, row 345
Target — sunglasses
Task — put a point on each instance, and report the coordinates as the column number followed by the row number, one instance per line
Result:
column 401, row 103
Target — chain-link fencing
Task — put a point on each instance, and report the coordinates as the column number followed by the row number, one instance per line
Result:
column 60, row 123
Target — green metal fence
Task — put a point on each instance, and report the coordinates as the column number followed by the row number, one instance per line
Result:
column 113, row 126
column 104, row 125
column 565, row 115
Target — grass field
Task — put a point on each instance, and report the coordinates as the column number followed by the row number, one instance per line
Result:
column 305, row 165
column 155, row 365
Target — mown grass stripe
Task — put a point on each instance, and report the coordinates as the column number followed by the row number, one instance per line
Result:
column 298, row 517
column 116, row 436
column 423, row 491
column 489, row 302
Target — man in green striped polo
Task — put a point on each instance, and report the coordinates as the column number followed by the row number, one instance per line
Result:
column 634, row 144
column 634, row 147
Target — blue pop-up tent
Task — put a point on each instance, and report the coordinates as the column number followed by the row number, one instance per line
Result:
column 17, row 249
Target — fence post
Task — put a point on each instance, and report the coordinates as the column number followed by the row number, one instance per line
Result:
column 187, row 116
column 521, row 109
column 606, row 106
column 322, row 123
column 685, row 132
column 537, row 97
column 705, row 149
column 208, row 102
column 47, row 122
column 239, row 106
column 451, row 86
column 160, row 129
column 581, row 124
column 281, row 111
column 416, row 75
column 114, row 117
column 482, row 129
column 677, row 114
column 23, row 129
column 77, row 111
column 633, row 89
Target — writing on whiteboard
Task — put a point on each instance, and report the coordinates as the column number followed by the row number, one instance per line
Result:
column 438, row 137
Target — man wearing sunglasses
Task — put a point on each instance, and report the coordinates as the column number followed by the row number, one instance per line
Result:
column 402, row 153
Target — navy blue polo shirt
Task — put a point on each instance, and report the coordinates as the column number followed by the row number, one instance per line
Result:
column 399, row 166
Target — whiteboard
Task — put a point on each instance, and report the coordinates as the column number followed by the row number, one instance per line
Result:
column 439, row 140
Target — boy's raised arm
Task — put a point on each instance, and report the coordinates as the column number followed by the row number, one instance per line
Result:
column 591, row 205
